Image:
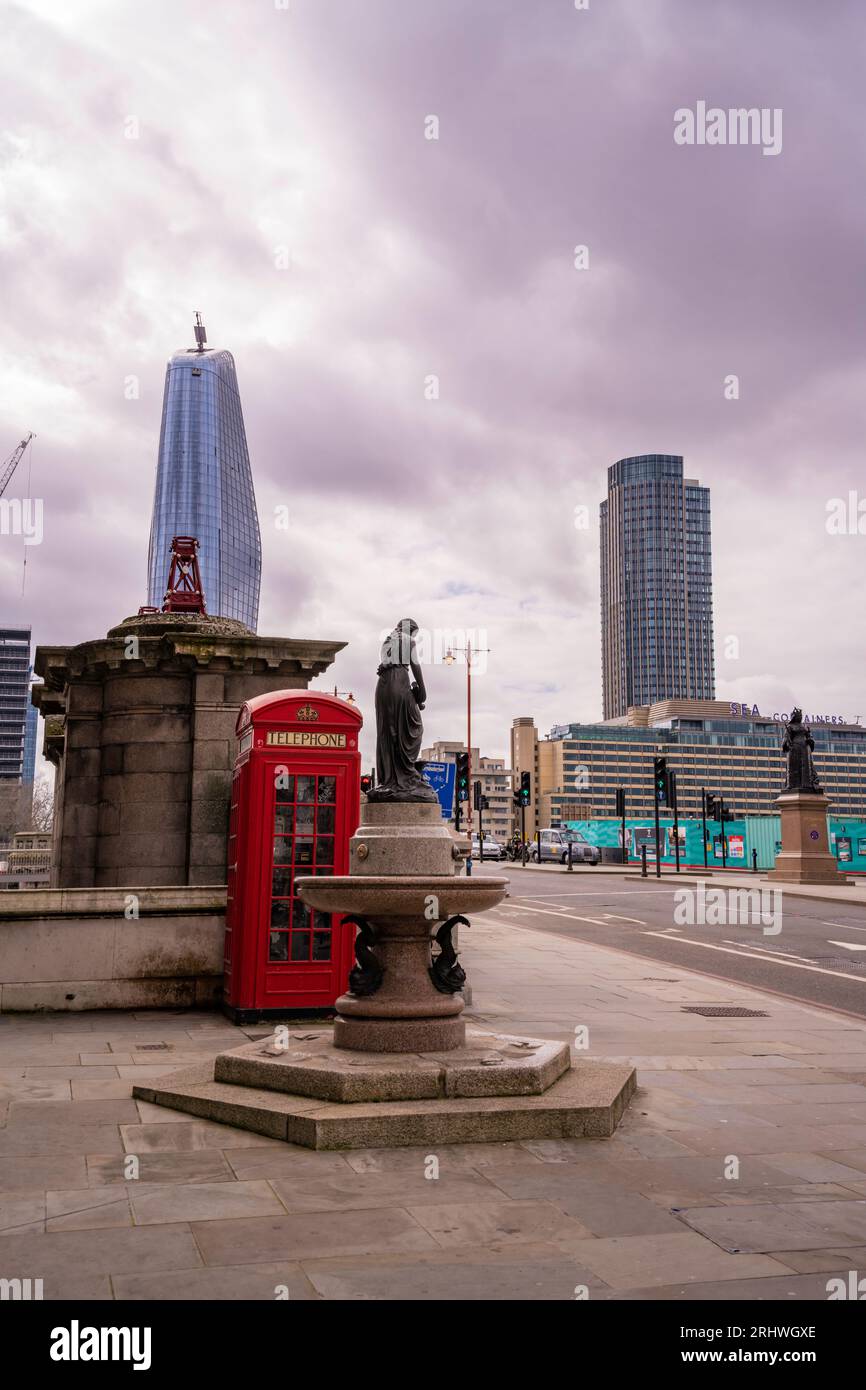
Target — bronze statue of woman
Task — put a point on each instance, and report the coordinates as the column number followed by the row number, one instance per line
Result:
column 400, row 697
column 799, row 744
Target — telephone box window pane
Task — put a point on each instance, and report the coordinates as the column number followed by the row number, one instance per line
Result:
column 304, row 849
column 283, row 820
column 323, row 869
column 304, row 819
column 321, row 945
column 300, row 945
column 280, row 913
column 325, row 850
column 300, row 916
column 325, row 819
column 306, row 789
column 327, row 789
column 321, row 921
column 279, row 948
column 282, row 882
column 283, row 849
column 285, row 787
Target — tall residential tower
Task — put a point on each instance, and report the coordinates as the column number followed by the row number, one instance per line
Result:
column 656, row 585
column 204, row 484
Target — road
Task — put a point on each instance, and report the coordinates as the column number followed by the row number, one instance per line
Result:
column 814, row 951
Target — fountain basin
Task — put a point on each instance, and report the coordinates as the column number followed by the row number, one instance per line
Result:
column 401, row 895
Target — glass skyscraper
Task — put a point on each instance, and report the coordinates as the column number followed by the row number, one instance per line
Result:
column 18, row 718
column 204, row 484
column 656, row 585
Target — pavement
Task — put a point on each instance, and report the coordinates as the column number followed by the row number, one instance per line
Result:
column 739, row 1170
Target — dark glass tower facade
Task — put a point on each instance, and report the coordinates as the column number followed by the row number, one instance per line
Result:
column 204, row 485
column 656, row 585
column 18, row 718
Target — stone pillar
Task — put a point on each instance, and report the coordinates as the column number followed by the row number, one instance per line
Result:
column 805, row 856
column 140, row 727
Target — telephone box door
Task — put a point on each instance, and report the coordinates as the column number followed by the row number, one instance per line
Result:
column 304, row 955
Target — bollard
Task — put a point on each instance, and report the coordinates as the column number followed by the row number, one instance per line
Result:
column 643, row 861
column 754, row 862
column 570, row 848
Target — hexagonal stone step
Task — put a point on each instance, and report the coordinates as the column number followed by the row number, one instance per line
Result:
column 489, row 1064
column 587, row 1101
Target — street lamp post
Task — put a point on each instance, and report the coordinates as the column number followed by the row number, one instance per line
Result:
column 449, row 658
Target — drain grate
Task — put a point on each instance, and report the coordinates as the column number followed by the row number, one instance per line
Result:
column 151, row 1047
column 662, row 979
column 719, row 1011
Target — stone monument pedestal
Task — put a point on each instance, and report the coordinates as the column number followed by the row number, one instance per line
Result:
column 805, row 856
column 399, row 1067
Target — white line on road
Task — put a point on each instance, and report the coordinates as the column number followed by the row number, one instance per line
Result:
column 749, row 955
column 546, row 912
column 613, row 917
column 846, row 926
column 849, row 945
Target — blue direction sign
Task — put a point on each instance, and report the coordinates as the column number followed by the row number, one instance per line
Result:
column 440, row 776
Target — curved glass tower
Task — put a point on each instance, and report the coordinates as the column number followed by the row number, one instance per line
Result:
column 204, row 484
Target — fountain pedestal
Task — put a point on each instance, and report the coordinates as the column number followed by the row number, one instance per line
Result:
column 399, row 1066
column 402, row 889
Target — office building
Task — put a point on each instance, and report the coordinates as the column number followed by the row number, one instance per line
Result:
column 731, row 750
column 204, row 484
column 656, row 585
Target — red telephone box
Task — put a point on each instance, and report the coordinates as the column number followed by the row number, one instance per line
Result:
column 295, row 803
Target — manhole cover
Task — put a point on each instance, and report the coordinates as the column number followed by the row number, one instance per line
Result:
column 719, row 1011
column 151, row 1047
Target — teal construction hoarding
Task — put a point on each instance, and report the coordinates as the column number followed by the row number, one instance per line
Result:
column 751, row 833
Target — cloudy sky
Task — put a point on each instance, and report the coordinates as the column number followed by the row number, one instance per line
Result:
column 269, row 164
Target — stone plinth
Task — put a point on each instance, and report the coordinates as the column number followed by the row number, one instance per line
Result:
column 488, row 1064
column 805, row 855
column 587, row 1101
column 140, row 726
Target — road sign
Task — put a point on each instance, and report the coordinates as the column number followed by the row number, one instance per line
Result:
column 440, row 776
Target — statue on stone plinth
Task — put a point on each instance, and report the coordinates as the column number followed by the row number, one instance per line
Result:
column 798, row 743
column 400, row 697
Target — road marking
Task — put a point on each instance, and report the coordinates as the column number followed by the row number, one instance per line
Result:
column 771, row 950
column 612, row 916
column 792, row 965
column 546, row 912
column 849, row 945
column 846, row 926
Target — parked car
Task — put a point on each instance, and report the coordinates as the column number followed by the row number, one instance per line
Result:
column 492, row 848
column 554, row 848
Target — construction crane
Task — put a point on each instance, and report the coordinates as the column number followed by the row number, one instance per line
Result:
column 8, row 468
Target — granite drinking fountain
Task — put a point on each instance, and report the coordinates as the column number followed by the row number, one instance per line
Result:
column 399, row 1065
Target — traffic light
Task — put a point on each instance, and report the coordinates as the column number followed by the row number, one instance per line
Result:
column 712, row 807
column 368, row 782
column 476, row 796
column 620, row 801
column 662, row 781
column 462, row 785
column 525, row 789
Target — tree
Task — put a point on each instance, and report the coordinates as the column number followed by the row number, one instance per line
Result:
column 43, row 803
